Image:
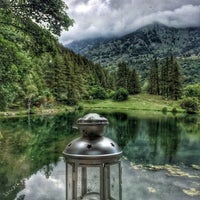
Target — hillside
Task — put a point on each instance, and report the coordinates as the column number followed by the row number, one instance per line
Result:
column 35, row 70
column 138, row 48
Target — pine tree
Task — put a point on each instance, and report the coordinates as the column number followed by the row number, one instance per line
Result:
column 133, row 83
column 154, row 78
column 56, row 77
column 171, row 84
column 122, row 75
column 175, row 83
column 164, row 82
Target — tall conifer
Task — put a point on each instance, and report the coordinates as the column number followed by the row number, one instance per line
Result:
column 164, row 82
column 133, row 83
column 154, row 78
column 122, row 75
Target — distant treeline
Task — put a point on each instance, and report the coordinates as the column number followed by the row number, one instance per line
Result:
column 163, row 79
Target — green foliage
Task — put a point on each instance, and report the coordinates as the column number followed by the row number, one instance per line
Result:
column 166, row 80
column 164, row 110
column 122, row 75
column 174, row 110
column 127, row 78
column 51, row 13
column 190, row 68
column 71, row 101
column 121, row 95
column 154, row 78
column 98, row 92
column 35, row 70
column 190, row 105
column 192, row 91
column 79, row 107
column 133, row 83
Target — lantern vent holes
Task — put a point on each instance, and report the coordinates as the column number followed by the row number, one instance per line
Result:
column 89, row 146
column 69, row 145
column 85, row 132
column 112, row 144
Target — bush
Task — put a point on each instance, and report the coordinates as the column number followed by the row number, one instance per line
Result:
column 192, row 91
column 120, row 95
column 164, row 110
column 174, row 110
column 190, row 105
column 33, row 110
column 79, row 107
column 98, row 92
column 71, row 102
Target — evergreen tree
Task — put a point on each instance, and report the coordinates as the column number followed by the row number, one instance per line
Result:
column 111, row 80
column 164, row 82
column 154, row 78
column 171, row 79
column 100, row 74
column 122, row 75
column 175, row 80
column 133, row 83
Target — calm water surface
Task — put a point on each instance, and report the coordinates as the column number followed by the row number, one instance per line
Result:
column 161, row 155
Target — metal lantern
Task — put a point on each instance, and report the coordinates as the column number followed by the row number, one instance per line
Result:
column 93, row 167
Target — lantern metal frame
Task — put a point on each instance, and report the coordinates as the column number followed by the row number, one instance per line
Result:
column 92, row 149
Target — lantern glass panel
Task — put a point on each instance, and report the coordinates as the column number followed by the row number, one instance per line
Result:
column 90, row 182
column 115, row 181
column 69, row 181
column 79, row 182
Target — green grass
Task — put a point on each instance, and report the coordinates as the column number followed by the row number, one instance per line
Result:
column 143, row 102
column 136, row 103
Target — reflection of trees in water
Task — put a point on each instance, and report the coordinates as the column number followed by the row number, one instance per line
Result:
column 164, row 135
column 191, row 124
column 124, row 128
column 25, row 149
column 150, row 140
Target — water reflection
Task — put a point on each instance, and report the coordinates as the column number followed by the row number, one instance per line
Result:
column 40, row 186
column 30, row 152
column 157, row 140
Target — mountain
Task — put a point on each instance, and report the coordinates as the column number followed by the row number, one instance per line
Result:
column 139, row 47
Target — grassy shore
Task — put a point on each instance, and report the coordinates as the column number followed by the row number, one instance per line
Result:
column 144, row 102
column 140, row 102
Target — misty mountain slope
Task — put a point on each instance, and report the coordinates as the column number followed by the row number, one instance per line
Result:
column 152, row 39
column 138, row 48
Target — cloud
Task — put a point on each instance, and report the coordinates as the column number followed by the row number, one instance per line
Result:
column 105, row 18
column 38, row 186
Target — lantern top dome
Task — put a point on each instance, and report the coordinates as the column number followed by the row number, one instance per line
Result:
column 92, row 144
column 99, row 147
column 92, row 119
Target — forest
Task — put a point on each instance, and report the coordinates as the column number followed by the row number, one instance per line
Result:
column 36, row 70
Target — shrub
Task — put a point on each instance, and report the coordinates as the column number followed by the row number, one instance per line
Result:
column 164, row 110
column 190, row 105
column 98, row 92
column 79, row 107
column 33, row 110
column 174, row 110
column 120, row 95
column 71, row 102
column 192, row 91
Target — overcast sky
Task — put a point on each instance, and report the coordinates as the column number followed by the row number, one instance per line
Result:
column 97, row 18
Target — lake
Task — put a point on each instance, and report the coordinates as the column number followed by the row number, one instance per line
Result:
column 161, row 155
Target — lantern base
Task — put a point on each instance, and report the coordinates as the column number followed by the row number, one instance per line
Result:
column 91, row 196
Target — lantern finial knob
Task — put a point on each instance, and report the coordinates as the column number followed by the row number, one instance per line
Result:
column 92, row 119
column 92, row 124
